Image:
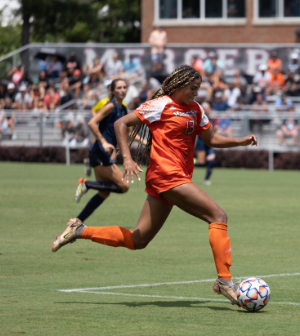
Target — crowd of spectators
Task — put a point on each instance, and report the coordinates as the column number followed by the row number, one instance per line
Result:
column 72, row 85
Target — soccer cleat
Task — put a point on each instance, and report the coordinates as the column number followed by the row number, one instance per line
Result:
column 207, row 182
column 68, row 236
column 81, row 189
column 229, row 292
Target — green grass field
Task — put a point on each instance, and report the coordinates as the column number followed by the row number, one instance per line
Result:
column 37, row 200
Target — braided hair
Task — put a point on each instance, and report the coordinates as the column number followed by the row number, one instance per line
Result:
column 179, row 78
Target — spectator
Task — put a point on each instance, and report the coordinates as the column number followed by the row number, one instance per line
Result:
column 75, row 125
column 43, row 79
column 238, row 79
column 6, row 123
column 72, row 64
column 95, row 72
column 76, row 83
column 158, row 40
column 259, row 107
column 196, row 63
column 132, row 96
column 39, row 107
column 51, row 100
column 132, row 66
column 293, row 66
column 291, row 84
column 2, row 92
column 38, row 90
column 23, row 99
column 219, row 104
column 212, row 64
column 223, row 126
column 232, row 95
column 217, row 80
column 158, row 72
column 288, row 129
column 54, row 68
column 274, row 63
column 152, row 83
column 65, row 92
column 262, row 78
column 114, row 67
column 276, row 84
column 16, row 73
column 11, row 91
column 206, row 89
column 26, row 80
column 282, row 103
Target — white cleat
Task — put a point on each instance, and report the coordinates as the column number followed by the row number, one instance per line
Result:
column 68, row 236
column 81, row 189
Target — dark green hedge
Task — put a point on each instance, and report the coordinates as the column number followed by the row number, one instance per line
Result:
column 224, row 158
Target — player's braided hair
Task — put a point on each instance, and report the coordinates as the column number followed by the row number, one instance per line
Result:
column 179, row 78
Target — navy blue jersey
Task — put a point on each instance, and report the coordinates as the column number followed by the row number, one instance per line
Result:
column 106, row 126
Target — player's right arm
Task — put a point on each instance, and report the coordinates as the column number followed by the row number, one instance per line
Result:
column 121, row 126
column 93, row 125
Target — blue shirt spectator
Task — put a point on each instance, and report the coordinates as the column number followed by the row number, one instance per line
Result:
column 212, row 63
column 131, row 65
column 219, row 104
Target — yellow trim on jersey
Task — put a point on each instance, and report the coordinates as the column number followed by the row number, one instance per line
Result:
column 103, row 102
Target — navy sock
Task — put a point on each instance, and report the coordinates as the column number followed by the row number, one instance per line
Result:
column 198, row 164
column 210, row 165
column 104, row 186
column 91, row 206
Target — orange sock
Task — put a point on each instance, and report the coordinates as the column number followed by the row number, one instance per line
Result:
column 114, row 236
column 220, row 244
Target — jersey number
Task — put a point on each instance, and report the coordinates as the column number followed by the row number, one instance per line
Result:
column 190, row 126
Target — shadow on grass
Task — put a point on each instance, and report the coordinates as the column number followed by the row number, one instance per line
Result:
column 162, row 304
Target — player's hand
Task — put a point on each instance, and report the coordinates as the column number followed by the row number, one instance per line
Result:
column 249, row 140
column 130, row 169
column 109, row 148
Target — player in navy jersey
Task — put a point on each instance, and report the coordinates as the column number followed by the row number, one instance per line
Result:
column 102, row 153
column 205, row 153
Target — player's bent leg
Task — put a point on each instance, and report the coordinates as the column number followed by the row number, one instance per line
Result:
column 152, row 218
column 196, row 202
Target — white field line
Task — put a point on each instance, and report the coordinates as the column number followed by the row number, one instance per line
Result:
column 174, row 283
column 178, row 297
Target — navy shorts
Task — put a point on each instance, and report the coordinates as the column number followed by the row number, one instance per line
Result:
column 100, row 158
column 201, row 146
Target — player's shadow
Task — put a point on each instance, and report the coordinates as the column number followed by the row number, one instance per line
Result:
column 161, row 304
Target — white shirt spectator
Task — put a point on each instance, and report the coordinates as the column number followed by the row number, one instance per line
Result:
column 232, row 96
column 113, row 68
column 21, row 99
column 262, row 79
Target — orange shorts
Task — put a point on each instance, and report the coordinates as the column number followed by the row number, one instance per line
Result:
column 156, row 186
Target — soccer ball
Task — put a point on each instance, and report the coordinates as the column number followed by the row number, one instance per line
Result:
column 253, row 294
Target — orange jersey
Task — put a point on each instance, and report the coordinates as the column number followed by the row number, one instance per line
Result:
column 174, row 128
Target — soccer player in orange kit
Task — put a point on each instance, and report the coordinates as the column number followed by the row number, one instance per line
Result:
column 174, row 120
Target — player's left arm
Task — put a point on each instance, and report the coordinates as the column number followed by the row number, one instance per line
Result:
column 212, row 139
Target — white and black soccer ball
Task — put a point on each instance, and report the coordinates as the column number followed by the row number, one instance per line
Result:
column 253, row 294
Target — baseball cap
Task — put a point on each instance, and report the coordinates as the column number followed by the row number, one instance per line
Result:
column 263, row 67
column 218, row 94
column 10, row 86
column 294, row 56
column 22, row 88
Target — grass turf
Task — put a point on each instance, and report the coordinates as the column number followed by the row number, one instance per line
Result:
column 38, row 199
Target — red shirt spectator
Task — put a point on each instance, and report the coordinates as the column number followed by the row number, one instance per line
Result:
column 51, row 99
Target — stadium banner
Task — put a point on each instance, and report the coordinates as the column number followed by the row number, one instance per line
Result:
column 246, row 57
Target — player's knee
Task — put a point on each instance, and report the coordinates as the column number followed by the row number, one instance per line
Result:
column 140, row 245
column 220, row 216
column 125, row 188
